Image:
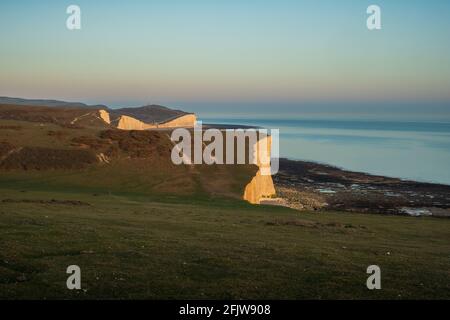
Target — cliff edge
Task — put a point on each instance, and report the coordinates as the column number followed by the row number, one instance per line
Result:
column 261, row 186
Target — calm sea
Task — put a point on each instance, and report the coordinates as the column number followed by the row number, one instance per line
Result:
column 408, row 150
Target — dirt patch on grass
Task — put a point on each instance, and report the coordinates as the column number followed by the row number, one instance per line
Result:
column 52, row 201
column 5, row 148
column 37, row 158
column 139, row 144
column 91, row 142
column 102, row 147
column 58, row 134
column 5, row 127
column 312, row 224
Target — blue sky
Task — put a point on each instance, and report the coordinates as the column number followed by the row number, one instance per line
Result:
column 230, row 54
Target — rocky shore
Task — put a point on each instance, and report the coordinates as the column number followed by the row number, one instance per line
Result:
column 312, row 186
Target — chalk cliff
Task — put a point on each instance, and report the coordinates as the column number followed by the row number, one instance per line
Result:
column 104, row 115
column 261, row 186
column 130, row 123
column 185, row 121
column 125, row 122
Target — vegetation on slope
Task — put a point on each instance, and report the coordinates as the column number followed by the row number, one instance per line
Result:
column 131, row 247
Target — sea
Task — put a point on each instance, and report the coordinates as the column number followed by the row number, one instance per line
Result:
column 410, row 150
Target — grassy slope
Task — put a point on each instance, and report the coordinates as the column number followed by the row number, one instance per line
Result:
column 154, row 176
column 130, row 247
column 158, row 231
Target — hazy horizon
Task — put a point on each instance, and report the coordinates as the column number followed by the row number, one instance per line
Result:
column 411, row 111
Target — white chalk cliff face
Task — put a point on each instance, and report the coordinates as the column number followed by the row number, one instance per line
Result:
column 260, row 187
column 185, row 121
column 129, row 123
column 104, row 115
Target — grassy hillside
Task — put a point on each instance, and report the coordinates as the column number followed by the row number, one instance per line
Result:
column 113, row 203
column 65, row 116
column 131, row 247
column 51, row 156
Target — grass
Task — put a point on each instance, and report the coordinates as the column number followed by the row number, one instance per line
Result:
column 152, row 175
column 153, row 230
column 135, row 246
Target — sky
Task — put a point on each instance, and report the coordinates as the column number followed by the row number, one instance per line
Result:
column 228, row 56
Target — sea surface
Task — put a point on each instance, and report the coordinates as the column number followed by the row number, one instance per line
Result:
column 409, row 150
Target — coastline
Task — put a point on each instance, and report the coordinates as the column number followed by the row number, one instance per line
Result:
column 342, row 168
column 314, row 185
column 306, row 185
column 416, row 151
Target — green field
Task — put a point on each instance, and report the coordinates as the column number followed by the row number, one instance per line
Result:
column 140, row 227
column 135, row 246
